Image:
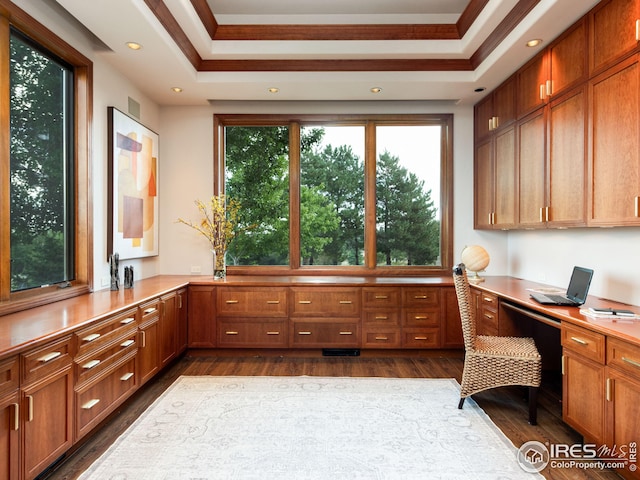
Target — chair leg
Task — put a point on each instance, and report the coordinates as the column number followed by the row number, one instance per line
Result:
column 533, row 405
column 461, row 402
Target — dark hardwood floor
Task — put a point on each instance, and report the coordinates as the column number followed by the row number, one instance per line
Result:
column 507, row 407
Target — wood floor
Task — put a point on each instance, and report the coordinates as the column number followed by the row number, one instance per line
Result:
column 507, row 407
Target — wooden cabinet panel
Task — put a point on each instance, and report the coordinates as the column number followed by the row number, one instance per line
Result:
column 420, row 337
column 9, row 375
column 319, row 333
column 532, row 85
column 505, row 179
column 48, row 420
column 259, row 332
column 94, row 362
column 252, row 301
column 624, row 356
column 568, row 58
column 380, row 297
column 104, row 332
column 615, row 168
column 183, row 319
column 452, row 325
column 484, row 186
column 585, row 342
column 9, row 435
column 420, row 296
column 168, row 341
column 325, row 301
column 43, row 361
column 148, row 358
column 567, row 185
column 380, row 337
column 483, row 115
column 421, row 317
column 613, row 26
column 531, row 156
column 202, row 316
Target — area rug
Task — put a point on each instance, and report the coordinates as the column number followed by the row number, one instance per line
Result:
column 315, row 428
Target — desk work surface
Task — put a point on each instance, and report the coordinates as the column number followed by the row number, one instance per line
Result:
column 517, row 291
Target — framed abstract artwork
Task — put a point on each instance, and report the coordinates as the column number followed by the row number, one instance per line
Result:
column 133, row 187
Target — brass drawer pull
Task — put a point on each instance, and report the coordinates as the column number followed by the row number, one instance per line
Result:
column 127, row 343
column 91, row 364
column 382, row 339
column 631, row 362
column 580, row 341
column 16, row 416
column 420, row 297
column 126, row 376
column 381, row 317
column 231, row 332
column 304, row 302
column 90, row 404
column 30, row 409
column 149, row 310
column 421, row 338
column 608, row 390
column 91, row 338
column 346, row 333
column 488, row 299
column 304, row 333
column 421, row 317
column 345, row 302
column 273, row 302
column 232, row 302
column 49, row 356
column 126, row 321
column 273, row 333
column 381, row 297
column 489, row 316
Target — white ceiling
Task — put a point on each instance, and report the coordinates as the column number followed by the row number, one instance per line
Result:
column 161, row 64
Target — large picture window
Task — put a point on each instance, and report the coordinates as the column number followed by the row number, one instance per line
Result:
column 340, row 196
column 45, row 227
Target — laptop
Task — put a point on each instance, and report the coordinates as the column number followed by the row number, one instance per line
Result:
column 576, row 292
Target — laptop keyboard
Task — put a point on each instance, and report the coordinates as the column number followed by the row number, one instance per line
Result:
column 557, row 298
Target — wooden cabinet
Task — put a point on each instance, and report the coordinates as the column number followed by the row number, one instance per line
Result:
column 46, row 401
column 421, row 317
column 325, row 317
column 615, row 165
column 182, row 318
column 202, row 316
column 486, row 313
column 583, row 360
column 496, row 110
column 532, row 84
column 252, row 317
column 381, row 317
column 148, row 358
column 614, row 32
column 623, row 391
column 168, row 328
column 9, row 419
column 531, row 158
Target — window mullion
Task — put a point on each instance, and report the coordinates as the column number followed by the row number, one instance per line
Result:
column 5, row 165
column 294, row 195
column 370, row 195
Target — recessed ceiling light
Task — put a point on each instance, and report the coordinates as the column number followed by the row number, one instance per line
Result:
column 133, row 45
column 274, row 90
column 376, row 90
column 176, row 89
column 480, row 89
column 534, row 43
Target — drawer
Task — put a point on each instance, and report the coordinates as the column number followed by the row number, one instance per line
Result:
column 583, row 341
column 321, row 334
column 325, row 302
column 623, row 356
column 419, row 296
column 382, row 316
column 45, row 360
column 9, row 371
column 489, row 300
column 256, row 302
column 421, row 337
column 97, row 399
column 104, row 332
column 489, row 318
column 97, row 361
column 380, row 297
column 253, row 334
column 421, row 317
column 149, row 311
column 381, row 338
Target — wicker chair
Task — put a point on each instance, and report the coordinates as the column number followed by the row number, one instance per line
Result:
column 492, row 361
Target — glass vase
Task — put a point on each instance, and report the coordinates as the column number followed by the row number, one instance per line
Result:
column 219, row 266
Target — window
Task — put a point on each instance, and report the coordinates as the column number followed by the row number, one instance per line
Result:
column 341, row 196
column 45, row 208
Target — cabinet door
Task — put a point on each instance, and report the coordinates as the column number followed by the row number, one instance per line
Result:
column 584, row 412
column 168, row 341
column 202, row 316
column 504, row 103
column 182, row 307
column 483, row 186
column 47, row 420
column 532, row 85
column 531, row 157
column 483, row 113
column 149, row 353
column 568, row 58
column 613, row 32
column 623, row 422
column 567, row 197
column 615, row 168
column 505, row 179
column 452, row 329
column 9, row 436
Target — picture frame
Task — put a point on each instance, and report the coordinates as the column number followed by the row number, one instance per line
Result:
column 132, row 187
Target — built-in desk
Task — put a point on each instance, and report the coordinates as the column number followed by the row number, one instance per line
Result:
column 599, row 359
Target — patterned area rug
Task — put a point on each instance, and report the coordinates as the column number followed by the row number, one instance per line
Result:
column 310, row 428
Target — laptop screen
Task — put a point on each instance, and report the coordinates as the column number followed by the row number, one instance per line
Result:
column 579, row 284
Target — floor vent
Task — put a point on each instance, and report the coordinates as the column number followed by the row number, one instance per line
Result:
column 340, row 352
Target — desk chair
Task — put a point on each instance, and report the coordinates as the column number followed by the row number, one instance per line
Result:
column 491, row 361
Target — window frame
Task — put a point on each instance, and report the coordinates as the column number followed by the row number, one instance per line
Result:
column 294, row 122
column 12, row 17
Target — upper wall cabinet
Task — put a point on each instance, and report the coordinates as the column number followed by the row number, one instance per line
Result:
column 497, row 110
column 561, row 66
column 615, row 32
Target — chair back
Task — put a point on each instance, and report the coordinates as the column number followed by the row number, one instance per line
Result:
column 467, row 312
